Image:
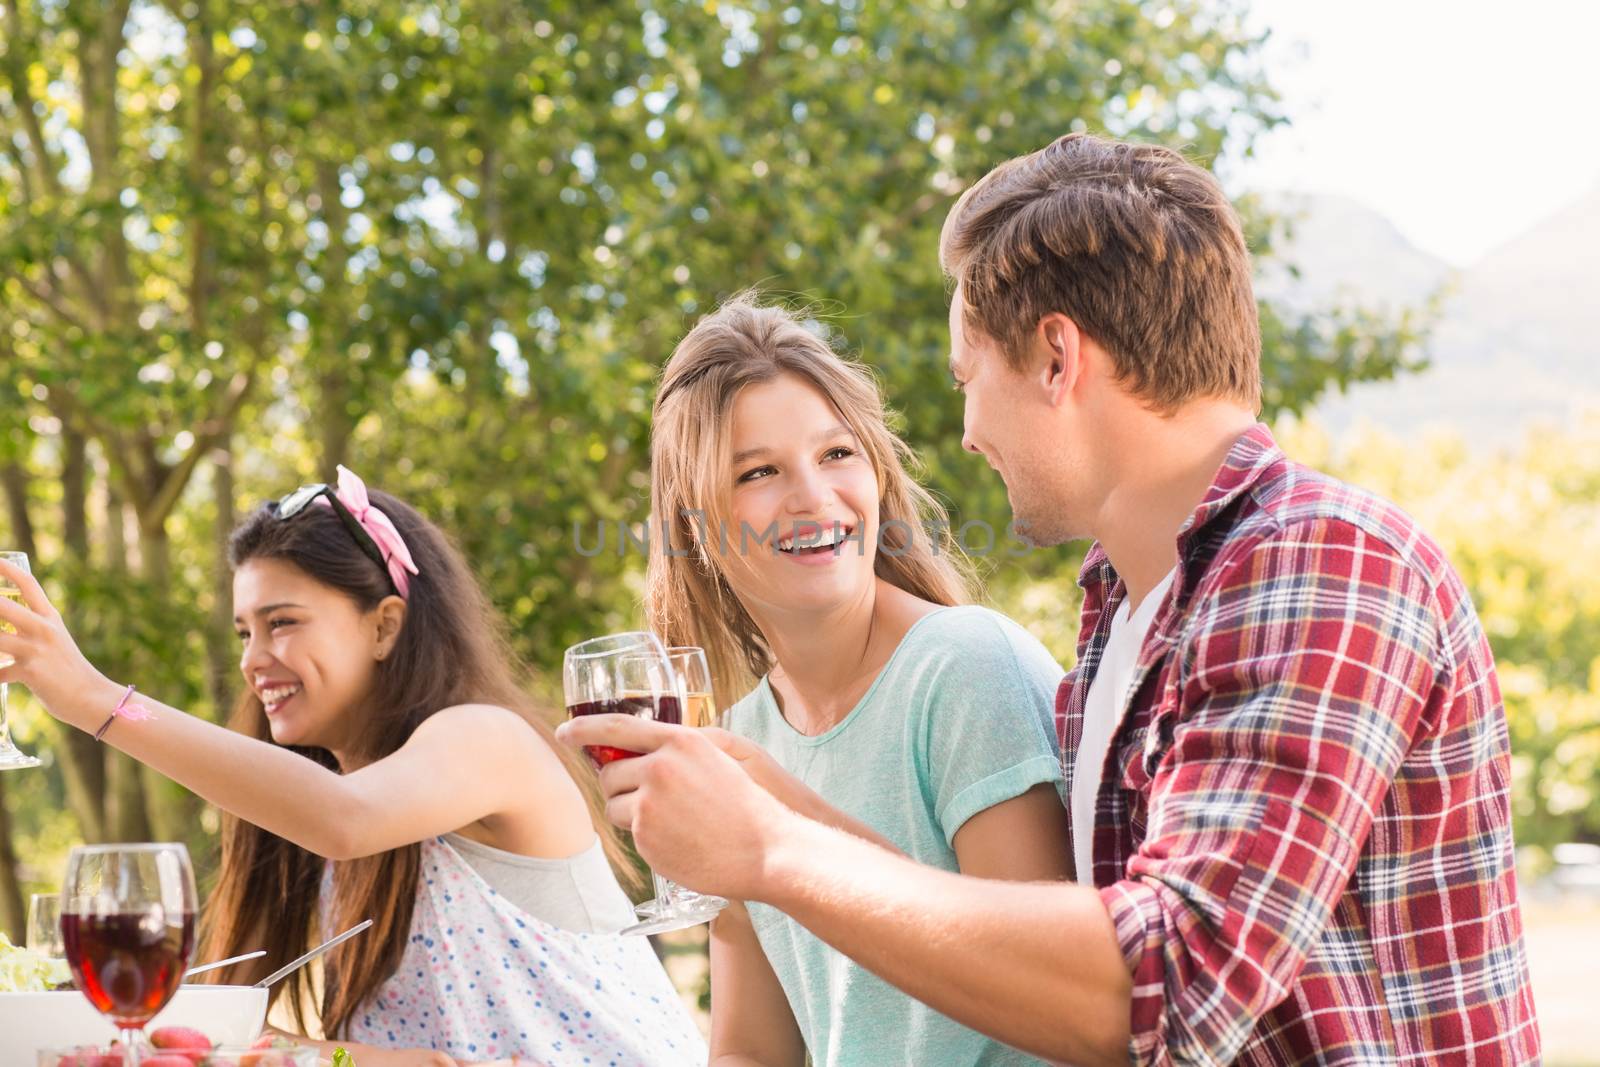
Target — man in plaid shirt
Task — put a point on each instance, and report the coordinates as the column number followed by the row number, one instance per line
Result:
column 1285, row 746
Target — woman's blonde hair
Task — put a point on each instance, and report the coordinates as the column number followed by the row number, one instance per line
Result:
column 687, row 596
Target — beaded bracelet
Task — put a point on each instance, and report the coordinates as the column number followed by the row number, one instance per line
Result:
column 123, row 710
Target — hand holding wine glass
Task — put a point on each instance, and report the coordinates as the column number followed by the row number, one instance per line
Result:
column 127, row 925
column 631, row 675
column 11, row 757
column 664, row 799
column 37, row 651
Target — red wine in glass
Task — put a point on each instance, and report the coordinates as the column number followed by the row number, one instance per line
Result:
column 129, row 964
column 660, row 707
column 127, row 924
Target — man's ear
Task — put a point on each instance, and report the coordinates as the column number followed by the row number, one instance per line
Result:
column 391, row 616
column 1059, row 343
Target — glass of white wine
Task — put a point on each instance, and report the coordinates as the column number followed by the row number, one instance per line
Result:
column 699, row 709
column 11, row 757
column 699, row 705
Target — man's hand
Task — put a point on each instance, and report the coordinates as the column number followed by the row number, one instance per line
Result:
column 697, row 816
column 755, row 761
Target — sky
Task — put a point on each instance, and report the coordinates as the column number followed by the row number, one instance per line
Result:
column 1464, row 122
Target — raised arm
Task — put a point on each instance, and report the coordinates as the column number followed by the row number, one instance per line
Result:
column 461, row 765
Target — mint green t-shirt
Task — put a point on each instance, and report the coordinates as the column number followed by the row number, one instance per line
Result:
column 959, row 720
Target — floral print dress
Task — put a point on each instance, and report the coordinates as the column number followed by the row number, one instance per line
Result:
column 481, row 979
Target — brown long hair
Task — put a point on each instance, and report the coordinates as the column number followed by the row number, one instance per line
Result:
column 450, row 650
column 687, row 595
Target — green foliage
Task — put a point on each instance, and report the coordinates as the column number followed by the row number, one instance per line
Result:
column 452, row 243
column 1520, row 528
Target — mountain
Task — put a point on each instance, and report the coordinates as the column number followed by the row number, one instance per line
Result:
column 1343, row 251
column 1518, row 339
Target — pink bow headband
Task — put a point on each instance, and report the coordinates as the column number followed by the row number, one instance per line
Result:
column 396, row 556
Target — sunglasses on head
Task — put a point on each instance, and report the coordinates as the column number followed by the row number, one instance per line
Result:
column 303, row 497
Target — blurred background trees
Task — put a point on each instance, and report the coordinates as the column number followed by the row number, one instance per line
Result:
column 451, row 243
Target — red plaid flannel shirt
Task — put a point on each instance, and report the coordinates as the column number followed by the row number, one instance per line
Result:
column 1303, row 831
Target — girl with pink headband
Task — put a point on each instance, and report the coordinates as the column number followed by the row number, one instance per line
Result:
column 385, row 762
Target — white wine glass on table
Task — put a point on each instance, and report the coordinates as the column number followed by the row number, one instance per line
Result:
column 44, row 925
column 11, row 757
column 631, row 674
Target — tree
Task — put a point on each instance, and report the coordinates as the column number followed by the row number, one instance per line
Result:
column 451, row 243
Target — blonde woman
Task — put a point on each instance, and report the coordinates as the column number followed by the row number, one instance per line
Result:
column 800, row 559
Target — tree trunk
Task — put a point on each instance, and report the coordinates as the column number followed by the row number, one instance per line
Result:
column 16, row 490
column 81, row 757
column 155, row 556
column 116, row 530
column 336, row 427
column 126, row 818
column 75, row 496
column 83, row 772
column 336, row 424
column 220, row 650
column 168, row 812
column 12, row 907
column 172, row 811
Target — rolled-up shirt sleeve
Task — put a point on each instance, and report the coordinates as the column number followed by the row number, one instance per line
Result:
column 1305, row 675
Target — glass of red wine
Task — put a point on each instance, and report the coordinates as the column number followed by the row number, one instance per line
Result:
column 631, row 674
column 127, row 924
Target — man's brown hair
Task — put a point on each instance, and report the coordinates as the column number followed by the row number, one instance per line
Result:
column 1135, row 244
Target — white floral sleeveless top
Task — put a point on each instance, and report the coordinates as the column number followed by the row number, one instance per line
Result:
column 481, row 979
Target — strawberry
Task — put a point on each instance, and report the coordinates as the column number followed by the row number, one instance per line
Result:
column 167, row 1059
column 264, row 1058
column 180, row 1037
column 90, row 1057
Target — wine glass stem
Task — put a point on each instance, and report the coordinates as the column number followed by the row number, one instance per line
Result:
column 5, row 720
column 132, row 1039
column 668, row 896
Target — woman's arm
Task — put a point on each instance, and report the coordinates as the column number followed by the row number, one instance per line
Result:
column 367, row 1056
column 752, row 1024
column 461, row 765
column 1023, row 839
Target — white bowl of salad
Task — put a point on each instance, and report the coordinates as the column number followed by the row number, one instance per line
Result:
column 34, row 1014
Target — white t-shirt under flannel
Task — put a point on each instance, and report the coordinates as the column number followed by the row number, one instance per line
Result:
column 1102, row 712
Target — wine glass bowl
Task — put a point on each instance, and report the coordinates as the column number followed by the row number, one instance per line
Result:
column 127, row 926
column 620, row 674
column 699, row 699
column 44, row 925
